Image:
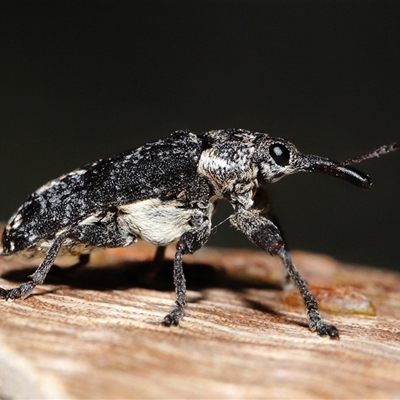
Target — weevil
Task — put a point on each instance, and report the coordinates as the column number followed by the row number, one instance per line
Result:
column 165, row 192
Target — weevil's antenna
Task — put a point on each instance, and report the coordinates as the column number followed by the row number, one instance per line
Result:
column 371, row 154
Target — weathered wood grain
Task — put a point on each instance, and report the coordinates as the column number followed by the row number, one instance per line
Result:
column 98, row 335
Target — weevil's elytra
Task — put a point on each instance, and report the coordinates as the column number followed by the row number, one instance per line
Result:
column 164, row 192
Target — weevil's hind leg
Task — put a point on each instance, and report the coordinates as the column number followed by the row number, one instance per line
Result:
column 187, row 244
column 39, row 275
column 104, row 234
column 266, row 235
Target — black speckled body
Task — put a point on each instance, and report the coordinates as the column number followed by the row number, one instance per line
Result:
column 166, row 170
column 164, row 192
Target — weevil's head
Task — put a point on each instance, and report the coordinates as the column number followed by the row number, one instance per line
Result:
column 278, row 157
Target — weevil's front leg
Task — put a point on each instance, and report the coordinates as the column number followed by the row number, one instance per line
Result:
column 266, row 235
column 187, row 244
column 262, row 203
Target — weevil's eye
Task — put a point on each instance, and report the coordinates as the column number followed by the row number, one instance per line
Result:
column 280, row 154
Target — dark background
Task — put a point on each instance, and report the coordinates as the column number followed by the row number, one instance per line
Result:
column 82, row 80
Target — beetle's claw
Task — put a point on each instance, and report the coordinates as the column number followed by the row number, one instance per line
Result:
column 23, row 291
column 10, row 294
column 324, row 329
column 173, row 317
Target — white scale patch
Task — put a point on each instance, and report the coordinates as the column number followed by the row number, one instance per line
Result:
column 157, row 222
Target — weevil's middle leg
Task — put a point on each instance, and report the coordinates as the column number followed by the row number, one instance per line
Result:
column 187, row 244
column 173, row 317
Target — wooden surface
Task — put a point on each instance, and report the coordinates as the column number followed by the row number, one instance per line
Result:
column 98, row 334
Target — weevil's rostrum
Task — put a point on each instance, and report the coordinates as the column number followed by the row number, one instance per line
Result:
column 164, row 192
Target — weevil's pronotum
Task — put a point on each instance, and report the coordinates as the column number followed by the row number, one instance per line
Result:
column 164, row 192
